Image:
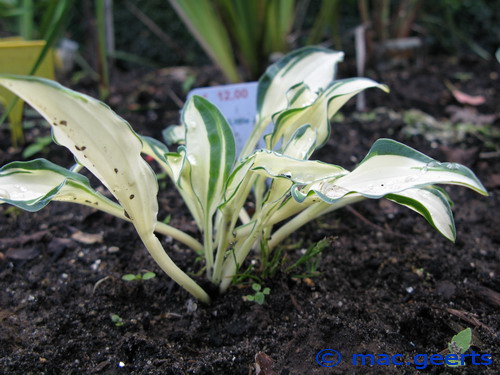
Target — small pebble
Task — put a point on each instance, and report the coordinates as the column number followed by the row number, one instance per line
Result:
column 191, row 305
column 95, row 265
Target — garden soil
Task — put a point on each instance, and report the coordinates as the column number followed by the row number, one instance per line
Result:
column 387, row 283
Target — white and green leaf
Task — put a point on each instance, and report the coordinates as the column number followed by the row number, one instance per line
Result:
column 101, row 141
column 301, row 145
column 313, row 66
column 433, row 204
column 157, row 151
column 174, row 134
column 402, row 174
column 295, row 79
column 391, row 166
column 180, row 172
column 107, row 146
column 299, row 96
column 319, row 112
column 32, row 185
column 275, row 165
column 238, row 180
column 339, row 92
column 210, row 151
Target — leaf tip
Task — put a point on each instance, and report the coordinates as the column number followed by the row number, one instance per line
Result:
column 385, row 88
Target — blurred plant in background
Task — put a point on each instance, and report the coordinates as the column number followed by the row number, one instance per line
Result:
column 447, row 30
column 29, row 20
column 241, row 37
column 389, row 26
column 246, row 34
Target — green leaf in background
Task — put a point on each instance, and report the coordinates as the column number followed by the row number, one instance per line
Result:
column 200, row 17
column 56, row 15
column 26, row 20
column 279, row 16
column 37, row 146
column 243, row 18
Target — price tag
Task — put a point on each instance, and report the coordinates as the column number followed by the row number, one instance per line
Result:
column 238, row 104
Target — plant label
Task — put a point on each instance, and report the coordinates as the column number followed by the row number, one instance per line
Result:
column 238, row 104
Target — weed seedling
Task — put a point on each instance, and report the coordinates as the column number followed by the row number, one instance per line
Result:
column 459, row 344
column 138, row 277
column 117, row 320
column 311, row 259
column 260, row 294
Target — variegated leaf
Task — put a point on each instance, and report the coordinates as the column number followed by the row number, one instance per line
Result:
column 210, row 154
column 402, row 174
column 278, row 166
column 433, row 204
column 101, row 141
column 391, row 167
column 300, row 95
column 157, row 151
column 237, row 180
column 32, row 185
column 210, row 151
column 320, row 111
column 174, row 134
column 181, row 174
column 108, row 147
column 308, row 68
column 301, row 146
column 314, row 66
column 302, row 143
column 274, row 165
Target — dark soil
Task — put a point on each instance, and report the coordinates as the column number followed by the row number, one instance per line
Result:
column 388, row 283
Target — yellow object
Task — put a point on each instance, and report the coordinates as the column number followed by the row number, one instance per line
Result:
column 18, row 56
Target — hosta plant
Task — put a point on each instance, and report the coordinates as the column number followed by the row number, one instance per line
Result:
column 298, row 96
